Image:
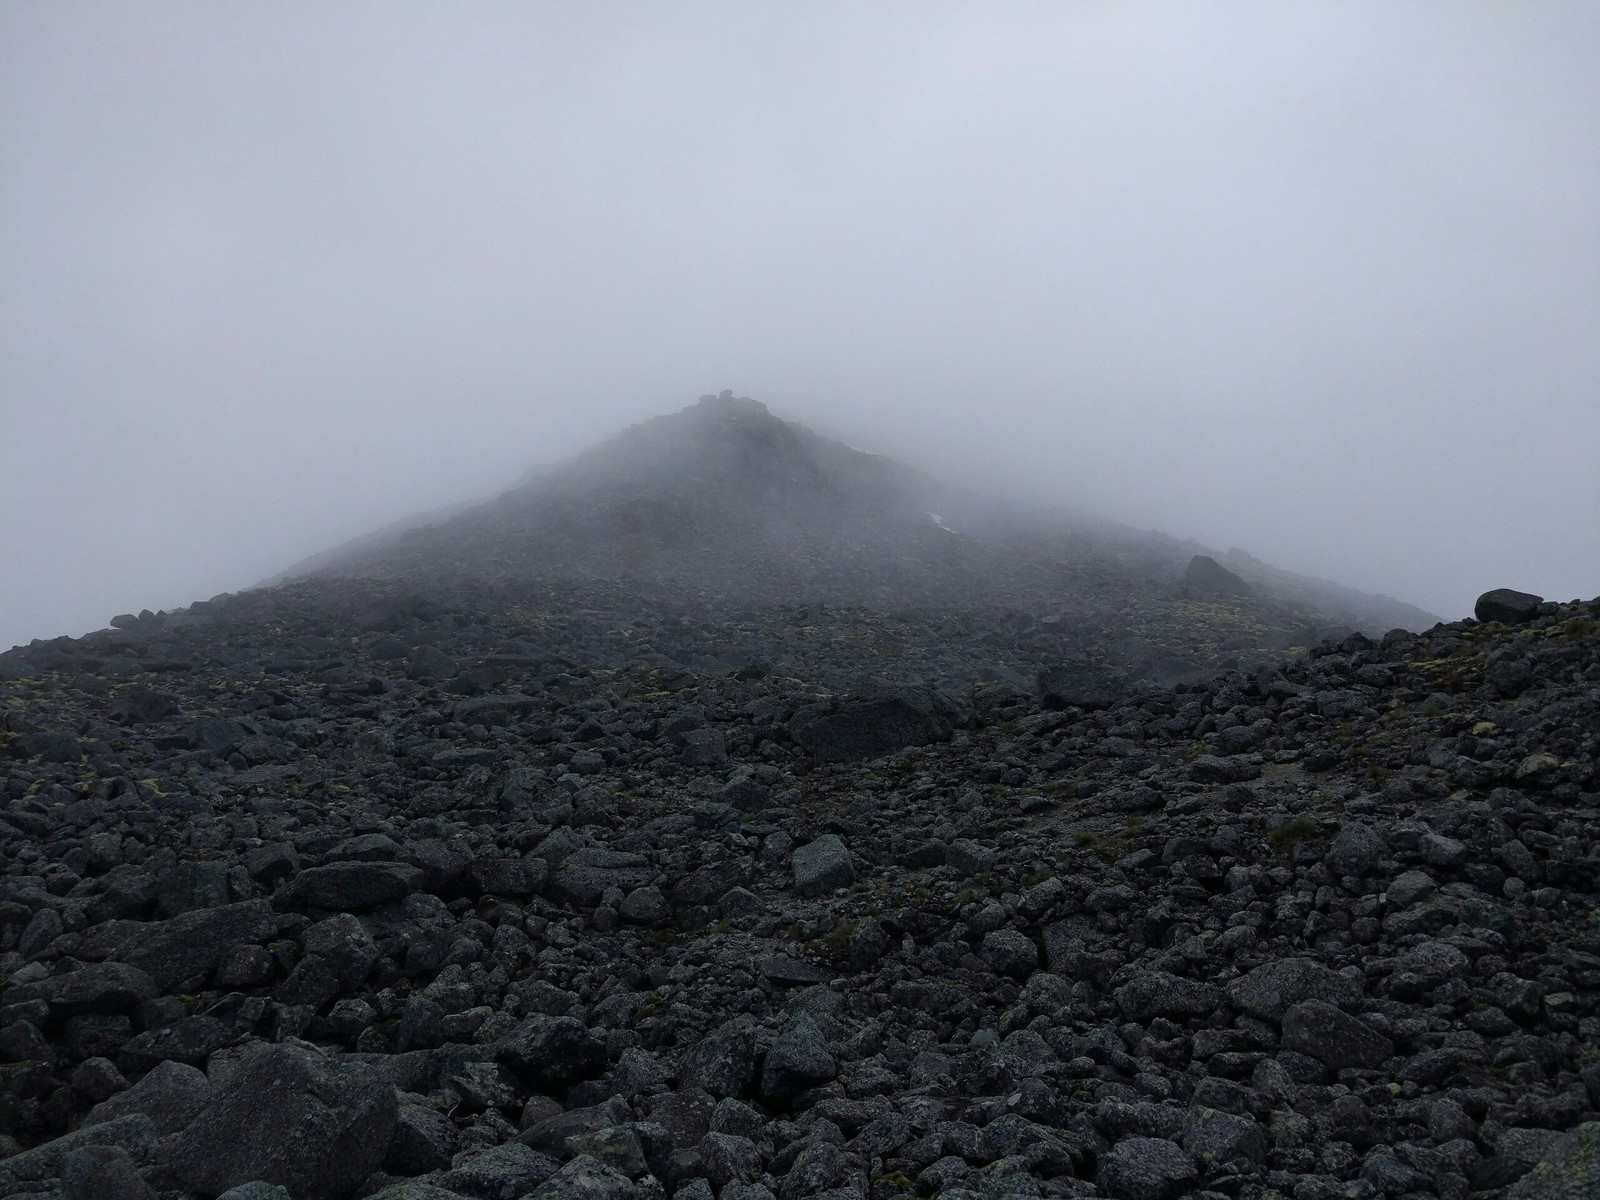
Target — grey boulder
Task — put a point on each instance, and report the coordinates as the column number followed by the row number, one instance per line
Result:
column 553, row 1051
column 96, row 988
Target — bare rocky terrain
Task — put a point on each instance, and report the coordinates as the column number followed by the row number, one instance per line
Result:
column 731, row 815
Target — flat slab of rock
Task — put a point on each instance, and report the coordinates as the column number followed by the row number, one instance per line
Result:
column 870, row 727
column 104, row 987
column 184, row 947
column 494, row 710
column 1158, row 994
column 351, row 886
column 1273, row 988
column 782, row 969
column 1333, row 1037
column 583, row 882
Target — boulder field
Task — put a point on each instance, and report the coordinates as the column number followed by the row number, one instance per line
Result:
column 327, row 891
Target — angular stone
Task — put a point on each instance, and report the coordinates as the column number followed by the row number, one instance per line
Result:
column 1408, row 888
column 1218, row 1137
column 1154, row 994
column 135, row 704
column 1569, row 1171
column 102, row 1173
column 191, row 1039
column 423, row 1141
column 645, row 906
column 722, row 1063
column 553, row 1051
column 1273, row 988
column 728, row 1158
column 1333, row 1037
column 343, row 943
column 510, row 876
column 1143, row 1168
column 585, row 1178
column 968, row 858
column 799, row 1059
column 702, row 748
column 1009, row 952
column 1440, row 851
column 135, row 1133
column 822, row 865
column 1210, row 768
column 171, row 1094
column 287, row 1115
column 1357, row 850
column 1207, row 579
column 512, row 1169
column 1428, row 964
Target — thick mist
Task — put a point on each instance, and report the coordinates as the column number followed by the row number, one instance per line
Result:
column 1321, row 281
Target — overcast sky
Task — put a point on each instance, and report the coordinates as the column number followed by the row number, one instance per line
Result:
column 1317, row 280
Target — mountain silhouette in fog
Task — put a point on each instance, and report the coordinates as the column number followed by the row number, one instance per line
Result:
column 726, row 501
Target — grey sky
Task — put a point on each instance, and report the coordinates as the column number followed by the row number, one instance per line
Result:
column 1318, row 280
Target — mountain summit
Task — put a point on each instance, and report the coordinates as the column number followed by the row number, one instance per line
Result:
column 720, row 494
column 729, row 504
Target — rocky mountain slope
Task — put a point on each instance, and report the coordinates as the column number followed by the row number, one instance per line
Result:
column 445, row 878
column 724, row 504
